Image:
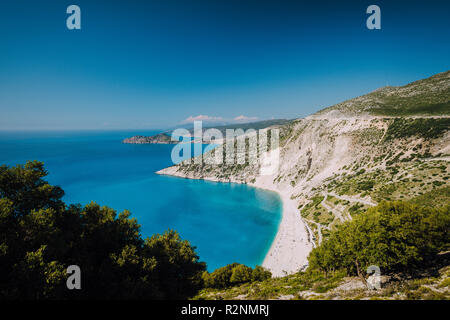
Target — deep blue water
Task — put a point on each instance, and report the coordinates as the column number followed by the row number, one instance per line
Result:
column 226, row 222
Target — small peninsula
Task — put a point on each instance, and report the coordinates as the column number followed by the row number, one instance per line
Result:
column 160, row 138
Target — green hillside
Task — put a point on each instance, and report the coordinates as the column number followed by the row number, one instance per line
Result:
column 429, row 96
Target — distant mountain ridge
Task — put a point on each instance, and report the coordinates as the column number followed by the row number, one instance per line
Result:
column 165, row 137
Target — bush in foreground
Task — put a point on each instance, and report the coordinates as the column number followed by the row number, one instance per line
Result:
column 40, row 236
column 396, row 236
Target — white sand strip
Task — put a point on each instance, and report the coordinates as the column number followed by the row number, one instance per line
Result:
column 291, row 246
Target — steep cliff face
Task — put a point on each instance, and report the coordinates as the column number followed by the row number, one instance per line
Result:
column 337, row 168
column 332, row 168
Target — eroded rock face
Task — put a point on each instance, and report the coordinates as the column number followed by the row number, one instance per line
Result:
column 320, row 156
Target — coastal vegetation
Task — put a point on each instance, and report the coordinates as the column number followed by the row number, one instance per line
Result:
column 396, row 236
column 432, row 284
column 40, row 236
column 234, row 274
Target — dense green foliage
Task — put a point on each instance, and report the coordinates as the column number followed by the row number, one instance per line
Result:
column 234, row 274
column 40, row 236
column 438, row 197
column 396, row 236
column 392, row 108
column 427, row 128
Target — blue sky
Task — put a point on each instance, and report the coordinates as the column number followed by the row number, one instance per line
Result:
column 152, row 64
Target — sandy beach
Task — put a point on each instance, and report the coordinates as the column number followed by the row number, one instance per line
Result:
column 291, row 246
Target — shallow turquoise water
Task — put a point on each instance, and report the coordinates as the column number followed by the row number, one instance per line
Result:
column 226, row 222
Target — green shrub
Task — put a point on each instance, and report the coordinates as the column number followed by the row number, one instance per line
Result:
column 365, row 185
column 40, row 236
column 260, row 274
column 396, row 236
column 232, row 274
column 241, row 274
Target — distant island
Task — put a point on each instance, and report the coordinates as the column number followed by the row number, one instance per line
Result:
column 160, row 138
column 165, row 138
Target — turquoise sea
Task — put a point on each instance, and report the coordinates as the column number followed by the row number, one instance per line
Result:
column 226, row 222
